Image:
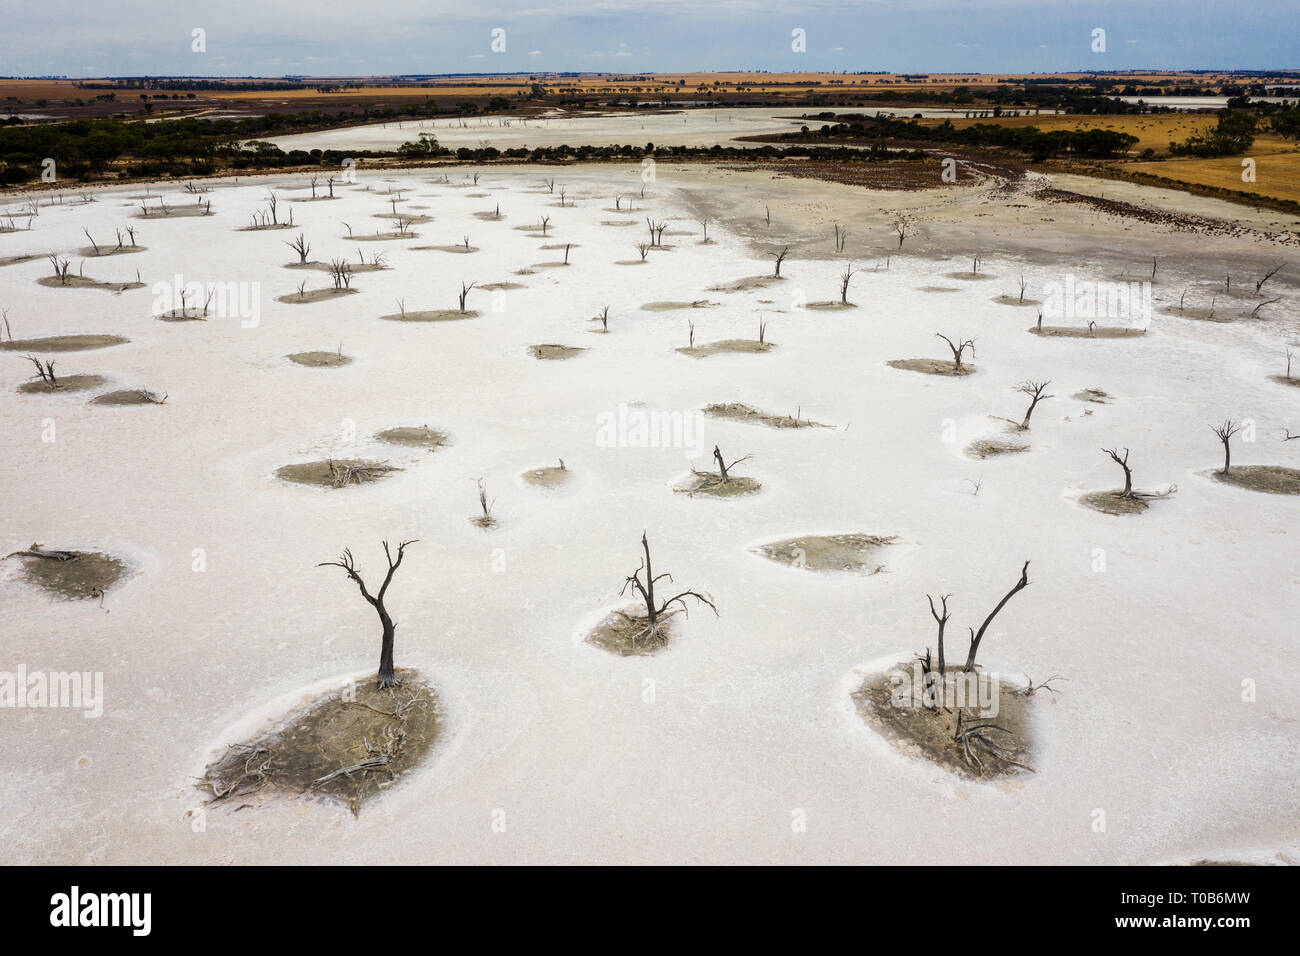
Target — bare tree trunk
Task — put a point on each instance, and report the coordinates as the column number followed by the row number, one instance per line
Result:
column 976, row 638
column 386, row 676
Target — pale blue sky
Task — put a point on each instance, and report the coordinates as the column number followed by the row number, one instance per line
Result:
column 328, row 37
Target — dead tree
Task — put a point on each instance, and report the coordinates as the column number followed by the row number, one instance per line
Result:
column 604, row 318
column 1268, row 275
column 705, row 224
column 272, row 202
column 958, row 350
column 386, row 676
column 1254, row 313
column 1035, row 392
column 724, row 470
column 845, row 276
column 486, row 506
column 45, row 370
column 977, row 637
column 780, row 258
column 464, row 293
column 1225, row 433
column 94, row 245
column 643, row 249
column 1022, row 289
column 902, row 226
column 943, row 623
column 546, row 221
column 300, row 246
column 1128, row 472
column 61, row 267
column 341, row 273
column 841, row 236
column 655, row 612
column 762, row 332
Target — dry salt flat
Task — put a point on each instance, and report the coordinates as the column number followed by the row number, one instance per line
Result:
column 739, row 742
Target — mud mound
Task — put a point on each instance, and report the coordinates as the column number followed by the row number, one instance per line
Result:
column 189, row 212
column 63, row 343
column 67, row 383
column 744, row 346
column 892, row 705
column 739, row 412
column 711, row 485
column 993, row 447
column 1098, row 332
column 550, row 477
column 86, row 574
column 931, row 366
column 90, row 252
column 552, row 352
column 319, row 359
column 1113, row 503
column 340, row 747
column 834, row 552
column 626, row 634
column 746, row 284
column 675, row 306
column 414, row 437
column 432, row 315
column 314, row 295
column 81, row 282
column 129, row 396
column 334, row 472
column 1270, row 479
column 353, row 267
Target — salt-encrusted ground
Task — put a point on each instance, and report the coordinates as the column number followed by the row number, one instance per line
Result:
column 709, row 751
